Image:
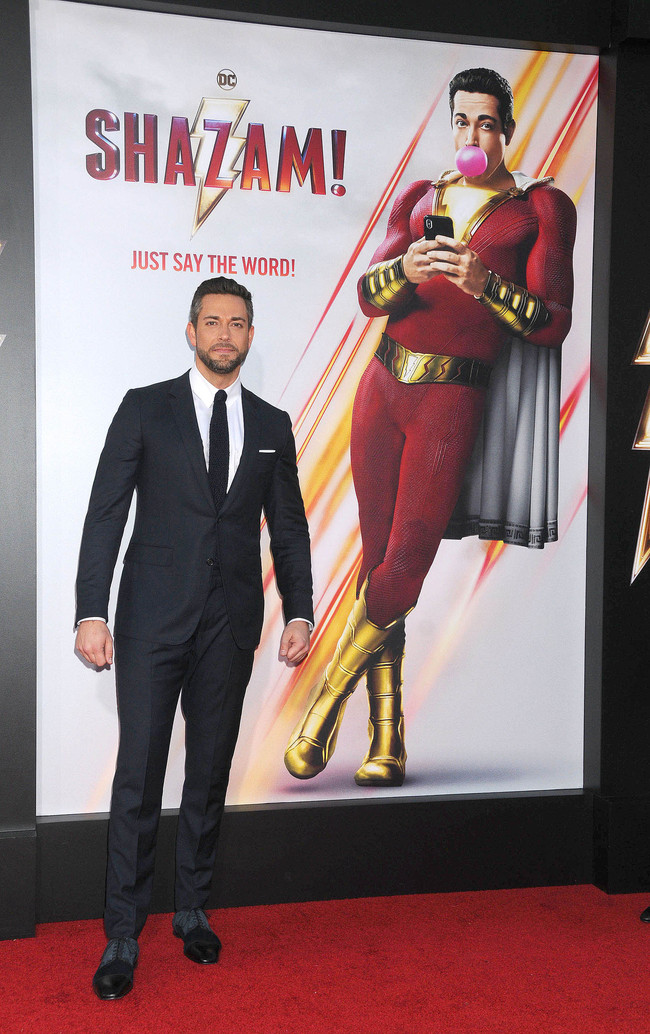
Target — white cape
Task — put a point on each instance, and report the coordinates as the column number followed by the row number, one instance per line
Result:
column 510, row 490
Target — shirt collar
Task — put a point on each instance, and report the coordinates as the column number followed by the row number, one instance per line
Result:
column 205, row 391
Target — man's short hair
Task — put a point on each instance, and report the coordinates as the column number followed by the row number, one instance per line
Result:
column 484, row 80
column 220, row 285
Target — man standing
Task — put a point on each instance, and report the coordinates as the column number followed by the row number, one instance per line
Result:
column 206, row 457
column 453, row 305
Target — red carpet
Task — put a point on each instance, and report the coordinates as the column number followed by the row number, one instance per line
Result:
column 556, row 960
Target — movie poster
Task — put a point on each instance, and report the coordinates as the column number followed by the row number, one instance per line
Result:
column 171, row 148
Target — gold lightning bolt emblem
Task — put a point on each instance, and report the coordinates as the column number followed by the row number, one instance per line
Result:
column 642, row 441
column 215, row 153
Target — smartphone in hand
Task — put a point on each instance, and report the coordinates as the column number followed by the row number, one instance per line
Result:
column 438, row 224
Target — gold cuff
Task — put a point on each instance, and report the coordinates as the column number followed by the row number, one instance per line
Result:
column 512, row 305
column 384, row 284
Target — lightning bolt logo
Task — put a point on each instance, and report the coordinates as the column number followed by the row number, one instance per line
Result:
column 215, row 124
column 2, row 245
column 642, row 442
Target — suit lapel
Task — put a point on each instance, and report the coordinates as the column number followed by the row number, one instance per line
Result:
column 182, row 404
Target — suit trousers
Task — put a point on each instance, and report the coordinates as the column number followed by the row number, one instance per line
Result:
column 210, row 674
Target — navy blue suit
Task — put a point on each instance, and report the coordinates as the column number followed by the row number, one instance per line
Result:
column 189, row 616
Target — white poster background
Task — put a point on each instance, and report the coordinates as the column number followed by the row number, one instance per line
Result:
column 493, row 676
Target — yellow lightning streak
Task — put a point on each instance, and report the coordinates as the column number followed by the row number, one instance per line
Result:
column 642, row 442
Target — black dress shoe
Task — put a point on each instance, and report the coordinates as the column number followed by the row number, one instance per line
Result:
column 645, row 915
column 200, row 942
column 114, row 978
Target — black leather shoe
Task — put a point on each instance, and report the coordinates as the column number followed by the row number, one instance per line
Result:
column 200, row 942
column 114, row 978
column 645, row 915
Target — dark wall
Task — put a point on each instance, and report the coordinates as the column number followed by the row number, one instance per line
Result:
column 622, row 771
column 626, row 711
column 17, row 481
column 430, row 844
column 582, row 23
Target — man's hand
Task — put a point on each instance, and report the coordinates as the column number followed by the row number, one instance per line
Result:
column 459, row 264
column 94, row 642
column 294, row 645
column 417, row 262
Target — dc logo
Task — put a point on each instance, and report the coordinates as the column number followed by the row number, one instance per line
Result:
column 226, row 79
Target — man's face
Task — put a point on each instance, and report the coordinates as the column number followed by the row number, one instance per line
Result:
column 222, row 336
column 476, row 121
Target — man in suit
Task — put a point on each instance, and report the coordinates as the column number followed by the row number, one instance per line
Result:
column 206, row 457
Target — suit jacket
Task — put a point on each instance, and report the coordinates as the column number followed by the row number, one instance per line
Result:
column 154, row 447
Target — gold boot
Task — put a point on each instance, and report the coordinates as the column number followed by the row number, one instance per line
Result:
column 312, row 743
column 384, row 764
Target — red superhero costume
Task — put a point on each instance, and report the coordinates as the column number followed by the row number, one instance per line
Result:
column 411, row 442
column 415, row 421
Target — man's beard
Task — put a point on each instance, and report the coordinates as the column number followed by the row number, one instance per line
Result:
column 225, row 365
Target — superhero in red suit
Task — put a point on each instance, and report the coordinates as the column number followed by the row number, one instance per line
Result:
column 420, row 402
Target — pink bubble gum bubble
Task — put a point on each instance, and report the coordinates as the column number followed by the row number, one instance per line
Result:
column 471, row 161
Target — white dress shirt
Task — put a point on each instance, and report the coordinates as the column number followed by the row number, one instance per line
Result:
column 203, row 397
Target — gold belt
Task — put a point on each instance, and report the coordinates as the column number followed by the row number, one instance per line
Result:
column 424, row 368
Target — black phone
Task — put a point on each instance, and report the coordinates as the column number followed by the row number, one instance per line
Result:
column 438, row 224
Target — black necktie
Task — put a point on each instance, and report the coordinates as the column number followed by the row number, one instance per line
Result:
column 219, row 450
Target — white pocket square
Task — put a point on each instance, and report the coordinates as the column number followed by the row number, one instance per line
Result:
column 267, row 450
